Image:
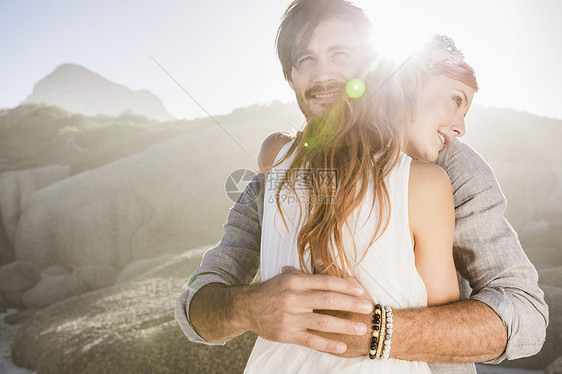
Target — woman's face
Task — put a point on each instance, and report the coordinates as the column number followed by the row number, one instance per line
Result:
column 440, row 111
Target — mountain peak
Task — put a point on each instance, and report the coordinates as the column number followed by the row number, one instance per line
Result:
column 80, row 90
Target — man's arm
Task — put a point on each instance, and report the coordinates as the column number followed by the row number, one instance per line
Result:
column 506, row 316
column 234, row 261
column 489, row 256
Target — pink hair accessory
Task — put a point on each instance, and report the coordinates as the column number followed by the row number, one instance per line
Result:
column 440, row 50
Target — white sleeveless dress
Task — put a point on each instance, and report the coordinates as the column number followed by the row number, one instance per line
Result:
column 387, row 271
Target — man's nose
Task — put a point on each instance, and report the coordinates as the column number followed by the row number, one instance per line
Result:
column 325, row 71
column 458, row 126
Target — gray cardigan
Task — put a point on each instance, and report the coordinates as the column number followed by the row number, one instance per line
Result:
column 491, row 264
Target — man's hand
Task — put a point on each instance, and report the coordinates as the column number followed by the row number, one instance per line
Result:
column 356, row 345
column 282, row 309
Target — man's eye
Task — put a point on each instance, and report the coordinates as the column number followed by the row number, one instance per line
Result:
column 305, row 61
column 340, row 55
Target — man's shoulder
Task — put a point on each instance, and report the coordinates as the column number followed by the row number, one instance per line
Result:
column 458, row 156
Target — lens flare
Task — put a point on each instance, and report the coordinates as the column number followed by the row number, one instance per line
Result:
column 355, row 88
column 374, row 66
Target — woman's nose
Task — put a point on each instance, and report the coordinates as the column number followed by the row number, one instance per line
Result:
column 458, row 127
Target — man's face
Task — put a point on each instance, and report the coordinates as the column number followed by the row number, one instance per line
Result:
column 333, row 56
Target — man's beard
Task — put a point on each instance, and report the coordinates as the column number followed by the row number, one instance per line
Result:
column 304, row 102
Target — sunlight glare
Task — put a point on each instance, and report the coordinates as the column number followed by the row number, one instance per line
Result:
column 396, row 47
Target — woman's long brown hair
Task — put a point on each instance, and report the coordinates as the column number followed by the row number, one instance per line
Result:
column 357, row 142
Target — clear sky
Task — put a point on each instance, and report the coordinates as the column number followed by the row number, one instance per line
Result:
column 222, row 52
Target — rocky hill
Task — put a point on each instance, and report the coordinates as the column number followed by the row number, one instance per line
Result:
column 79, row 90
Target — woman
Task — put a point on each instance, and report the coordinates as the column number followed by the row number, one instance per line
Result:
column 394, row 233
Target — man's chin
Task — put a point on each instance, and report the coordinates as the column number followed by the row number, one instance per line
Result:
column 322, row 111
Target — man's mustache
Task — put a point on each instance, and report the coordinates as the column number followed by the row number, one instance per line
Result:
column 319, row 88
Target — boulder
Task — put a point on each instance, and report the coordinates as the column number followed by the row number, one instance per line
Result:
column 19, row 316
column 519, row 181
column 555, row 367
column 537, row 234
column 551, row 277
column 7, row 253
column 553, row 209
column 544, row 257
column 137, row 268
column 53, row 289
column 16, row 187
column 127, row 328
column 97, row 276
column 551, row 349
column 15, row 279
column 54, row 270
column 164, row 199
column 3, row 303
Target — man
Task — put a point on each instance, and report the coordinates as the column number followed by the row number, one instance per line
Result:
column 505, row 316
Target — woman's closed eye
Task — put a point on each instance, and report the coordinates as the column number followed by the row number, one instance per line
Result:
column 458, row 100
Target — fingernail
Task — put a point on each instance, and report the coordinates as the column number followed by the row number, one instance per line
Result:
column 359, row 291
column 340, row 348
column 367, row 306
column 360, row 328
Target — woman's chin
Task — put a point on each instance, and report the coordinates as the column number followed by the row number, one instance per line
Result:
column 427, row 157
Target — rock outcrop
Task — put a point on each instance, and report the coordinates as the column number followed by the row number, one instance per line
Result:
column 161, row 200
column 16, row 188
column 139, row 267
column 53, row 289
column 127, row 328
column 17, row 278
column 551, row 277
column 555, row 367
column 97, row 276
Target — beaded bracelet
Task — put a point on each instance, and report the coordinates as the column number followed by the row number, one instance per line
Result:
column 382, row 334
column 376, row 332
column 388, row 335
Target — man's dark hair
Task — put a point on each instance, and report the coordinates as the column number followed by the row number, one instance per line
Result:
column 302, row 17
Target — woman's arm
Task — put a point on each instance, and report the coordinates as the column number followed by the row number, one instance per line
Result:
column 432, row 224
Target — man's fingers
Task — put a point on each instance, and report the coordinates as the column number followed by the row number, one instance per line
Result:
column 288, row 269
column 330, row 283
column 319, row 343
column 328, row 323
column 323, row 282
column 338, row 301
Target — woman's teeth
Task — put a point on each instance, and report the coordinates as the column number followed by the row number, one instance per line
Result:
column 442, row 138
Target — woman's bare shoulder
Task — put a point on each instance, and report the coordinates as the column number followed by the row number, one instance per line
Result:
column 428, row 179
column 430, row 196
column 271, row 147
